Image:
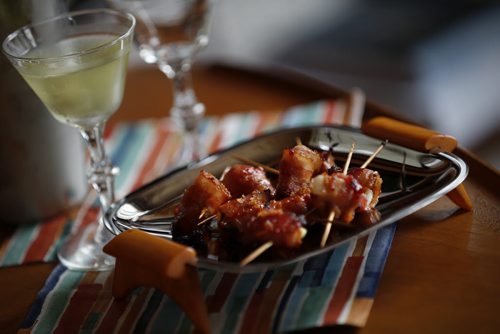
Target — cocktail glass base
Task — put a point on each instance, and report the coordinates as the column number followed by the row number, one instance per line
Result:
column 83, row 250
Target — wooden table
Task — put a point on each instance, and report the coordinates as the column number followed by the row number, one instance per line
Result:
column 443, row 271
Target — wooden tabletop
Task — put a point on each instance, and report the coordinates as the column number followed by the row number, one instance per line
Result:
column 443, row 270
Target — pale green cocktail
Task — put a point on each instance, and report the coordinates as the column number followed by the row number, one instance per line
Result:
column 76, row 93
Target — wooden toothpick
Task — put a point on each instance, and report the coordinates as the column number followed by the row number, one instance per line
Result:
column 202, row 213
column 256, row 253
column 349, row 157
column 328, row 227
column 207, row 219
column 374, row 154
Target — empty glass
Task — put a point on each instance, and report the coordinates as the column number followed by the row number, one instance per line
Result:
column 170, row 33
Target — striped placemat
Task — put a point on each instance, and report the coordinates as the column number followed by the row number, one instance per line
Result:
column 337, row 287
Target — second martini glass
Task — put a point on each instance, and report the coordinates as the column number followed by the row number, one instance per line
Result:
column 76, row 64
column 170, row 33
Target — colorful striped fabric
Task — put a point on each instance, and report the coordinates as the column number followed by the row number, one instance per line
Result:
column 337, row 287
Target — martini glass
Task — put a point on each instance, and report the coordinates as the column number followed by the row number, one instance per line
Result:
column 170, row 33
column 76, row 63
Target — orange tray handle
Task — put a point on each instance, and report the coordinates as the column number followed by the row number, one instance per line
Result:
column 420, row 139
column 146, row 260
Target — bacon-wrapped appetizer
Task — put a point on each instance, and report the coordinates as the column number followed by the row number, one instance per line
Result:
column 283, row 229
column 338, row 193
column 242, row 180
column 255, row 222
column 202, row 199
column 371, row 182
column 297, row 166
column 372, row 187
column 346, row 194
column 237, row 210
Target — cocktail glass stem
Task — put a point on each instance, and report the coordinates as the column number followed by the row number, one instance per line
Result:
column 186, row 110
column 101, row 173
column 90, row 240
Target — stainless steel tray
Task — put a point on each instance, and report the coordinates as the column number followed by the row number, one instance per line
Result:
column 411, row 180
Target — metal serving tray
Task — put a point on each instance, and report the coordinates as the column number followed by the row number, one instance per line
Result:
column 411, row 180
